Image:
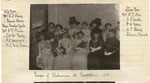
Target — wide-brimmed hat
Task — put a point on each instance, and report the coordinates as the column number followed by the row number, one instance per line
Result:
column 97, row 21
column 64, row 31
column 72, row 20
column 38, row 24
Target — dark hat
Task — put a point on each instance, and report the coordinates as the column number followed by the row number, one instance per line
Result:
column 97, row 21
column 108, row 24
column 72, row 20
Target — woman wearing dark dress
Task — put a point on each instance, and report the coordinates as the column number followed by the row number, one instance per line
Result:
column 50, row 36
column 95, row 25
column 111, row 48
column 96, row 52
column 57, row 36
column 50, row 31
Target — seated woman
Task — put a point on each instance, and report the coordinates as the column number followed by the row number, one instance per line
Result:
column 79, row 60
column 63, row 58
column 111, row 48
column 45, row 58
column 96, row 52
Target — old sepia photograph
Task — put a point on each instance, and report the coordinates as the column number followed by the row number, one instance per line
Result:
column 74, row 37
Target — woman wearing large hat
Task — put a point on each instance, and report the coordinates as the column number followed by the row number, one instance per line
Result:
column 73, row 26
column 94, row 62
column 37, row 30
column 95, row 24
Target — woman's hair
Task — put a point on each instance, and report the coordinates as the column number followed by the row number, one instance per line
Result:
column 84, row 23
column 97, row 21
column 112, row 31
column 108, row 24
column 59, row 25
column 51, row 23
column 80, row 32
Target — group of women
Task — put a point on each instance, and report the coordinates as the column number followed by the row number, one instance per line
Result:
column 78, row 47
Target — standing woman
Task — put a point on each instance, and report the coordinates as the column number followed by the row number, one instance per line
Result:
column 38, row 29
column 50, row 31
column 79, row 60
column 58, row 32
column 63, row 59
column 45, row 53
column 85, row 29
column 57, row 37
column 73, row 27
column 106, row 30
column 96, row 52
column 95, row 24
column 50, row 36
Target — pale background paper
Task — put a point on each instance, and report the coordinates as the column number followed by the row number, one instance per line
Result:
column 134, row 54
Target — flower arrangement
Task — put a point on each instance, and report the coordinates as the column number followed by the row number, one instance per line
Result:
column 82, row 44
column 61, row 50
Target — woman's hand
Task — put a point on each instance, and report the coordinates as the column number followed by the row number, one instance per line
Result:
column 108, row 53
column 93, row 50
column 98, row 48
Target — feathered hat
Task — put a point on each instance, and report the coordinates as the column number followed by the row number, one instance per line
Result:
column 72, row 20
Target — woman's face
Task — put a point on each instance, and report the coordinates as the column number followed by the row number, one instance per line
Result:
column 42, row 37
column 51, row 28
column 80, row 35
column 74, row 25
column 108, row 27
column 93, row 25
column 58, row 28
column 96, row 36
column 111, row 35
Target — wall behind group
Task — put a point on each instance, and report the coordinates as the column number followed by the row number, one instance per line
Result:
column 60, row 13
